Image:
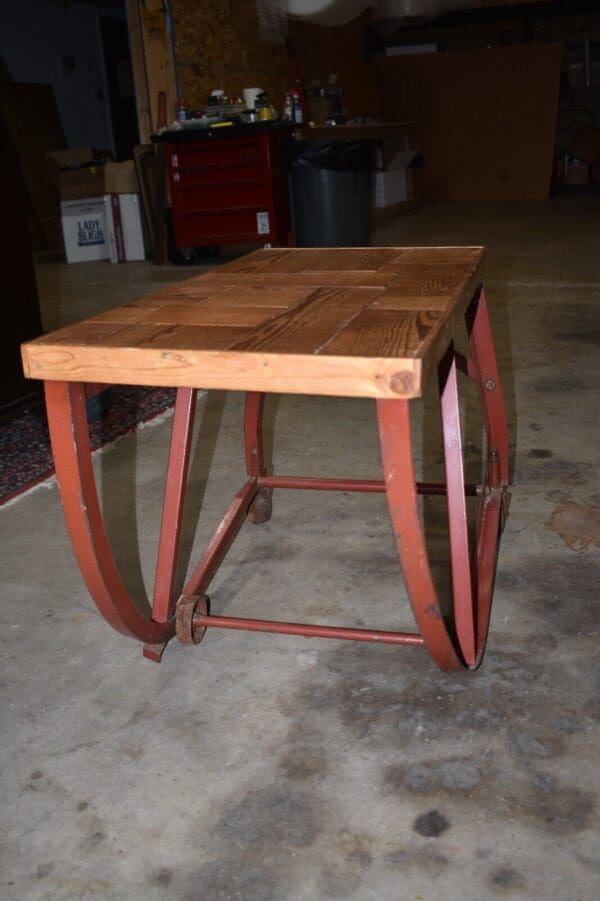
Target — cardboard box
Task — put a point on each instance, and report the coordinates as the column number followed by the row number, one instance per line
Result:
column 394, row 154
column 76, row 174
column 124, row 228
column 83, row 228
column 390, row 182
column 389, row 188
column 71, row 159
column 120, row 178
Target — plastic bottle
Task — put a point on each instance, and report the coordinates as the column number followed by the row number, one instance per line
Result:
column 297, row 114
column 288, row 109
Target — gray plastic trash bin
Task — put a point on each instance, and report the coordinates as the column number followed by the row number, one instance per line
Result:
column 331, row 194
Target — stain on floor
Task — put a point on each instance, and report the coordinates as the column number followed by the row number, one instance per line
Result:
column 280, row 815
column 577, row 524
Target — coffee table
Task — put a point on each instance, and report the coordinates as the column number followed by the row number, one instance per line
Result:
column 344, row 322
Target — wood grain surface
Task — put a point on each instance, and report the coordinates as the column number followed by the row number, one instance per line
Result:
column 356, row 322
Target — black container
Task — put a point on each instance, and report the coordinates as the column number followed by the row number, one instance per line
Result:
column 331, row 194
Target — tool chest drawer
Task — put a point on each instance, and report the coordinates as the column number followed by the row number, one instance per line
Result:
column 228, row 191
column 214, row 157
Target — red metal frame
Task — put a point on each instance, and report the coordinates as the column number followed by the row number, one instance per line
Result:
column 453, row 644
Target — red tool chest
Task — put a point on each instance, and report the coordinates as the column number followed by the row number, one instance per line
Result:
column 229, row 190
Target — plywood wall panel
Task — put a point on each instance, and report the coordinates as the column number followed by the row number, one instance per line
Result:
column 487, row 119
column 218, row 46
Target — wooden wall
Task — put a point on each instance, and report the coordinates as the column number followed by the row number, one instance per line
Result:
column 218, row 46
column 487, row 119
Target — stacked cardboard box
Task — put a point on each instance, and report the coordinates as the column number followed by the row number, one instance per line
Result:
column 78, row 179
column 99, row 204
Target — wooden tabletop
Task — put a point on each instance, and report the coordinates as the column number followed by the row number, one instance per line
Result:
column 355, row 322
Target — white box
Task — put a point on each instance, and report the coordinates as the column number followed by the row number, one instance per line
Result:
column 390, row 188
column 389, row 156
column 124, row 228
column 84, row 229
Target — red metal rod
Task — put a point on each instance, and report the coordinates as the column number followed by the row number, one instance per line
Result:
column 170, row 530
column 367, row 485
column 267, row 625
column 222, row 540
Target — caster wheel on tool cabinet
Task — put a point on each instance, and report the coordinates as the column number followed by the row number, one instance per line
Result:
column 183, row 256
column 191, row 256
column 208, row 254
column 261, row 508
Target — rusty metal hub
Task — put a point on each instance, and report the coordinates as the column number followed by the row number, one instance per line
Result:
column 187, row 607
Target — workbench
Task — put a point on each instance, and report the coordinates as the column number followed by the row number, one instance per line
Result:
column 362, row 322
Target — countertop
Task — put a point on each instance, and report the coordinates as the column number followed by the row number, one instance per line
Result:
column 371, row 132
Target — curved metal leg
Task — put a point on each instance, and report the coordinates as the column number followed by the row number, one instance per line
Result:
column 472, row 571
column 485, row 373
column 494, row 499
column 401, row 492
column 69, row 435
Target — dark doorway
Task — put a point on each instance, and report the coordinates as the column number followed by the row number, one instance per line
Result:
column 121, row 91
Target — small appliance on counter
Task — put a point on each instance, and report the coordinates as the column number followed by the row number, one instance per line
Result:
column 250, row 95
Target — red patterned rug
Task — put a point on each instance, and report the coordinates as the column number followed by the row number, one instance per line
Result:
column 25, row 457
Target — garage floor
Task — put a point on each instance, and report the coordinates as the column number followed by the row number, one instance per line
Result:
column 264, row 767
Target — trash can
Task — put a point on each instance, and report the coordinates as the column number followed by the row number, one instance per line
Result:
column 331, row 194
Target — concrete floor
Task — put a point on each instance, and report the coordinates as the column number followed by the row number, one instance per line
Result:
column 264, row 767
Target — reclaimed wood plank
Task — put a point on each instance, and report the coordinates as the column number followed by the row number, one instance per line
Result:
column 326, row 259
column 432, row 256
column 308, row 326
column 429, row 280
column 390, row 300
column 248, row 295
column 316, row 279
column 86, row 332
column 203, row 314
column 279, row 373
column 383, row 333
column 168, row 337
